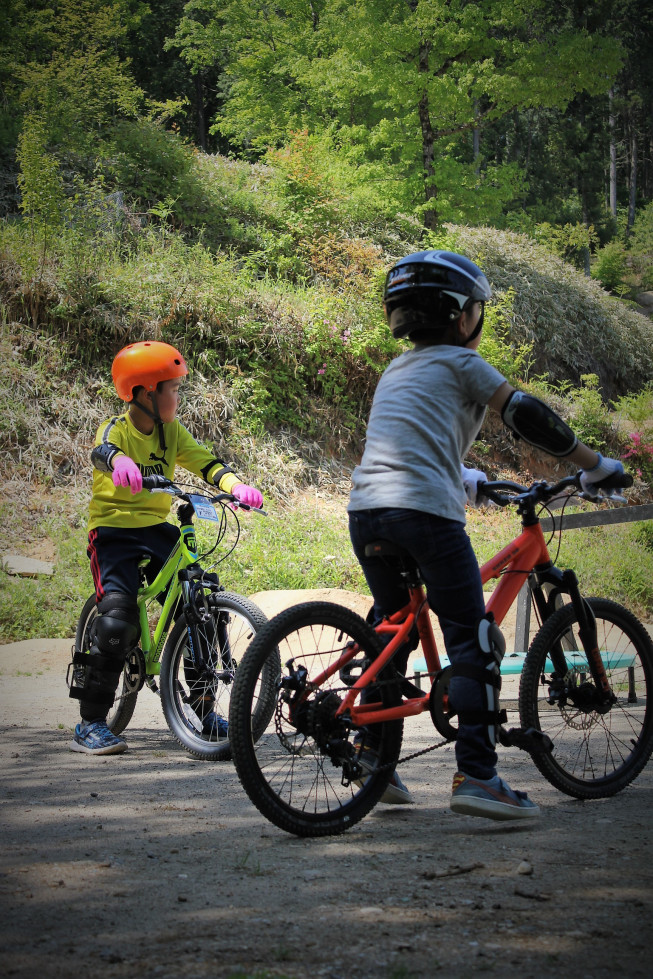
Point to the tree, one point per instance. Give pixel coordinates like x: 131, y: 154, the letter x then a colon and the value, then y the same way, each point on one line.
x: 401, y: 87
x: 76, y: 79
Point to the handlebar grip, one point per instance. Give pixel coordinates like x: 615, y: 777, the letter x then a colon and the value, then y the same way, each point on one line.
x: 156, y: 482
x: 615, y: 481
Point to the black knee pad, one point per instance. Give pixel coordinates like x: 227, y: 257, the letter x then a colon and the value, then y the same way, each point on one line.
x: 492, y: 645
x: 114, y: 633
x: 117, y: 625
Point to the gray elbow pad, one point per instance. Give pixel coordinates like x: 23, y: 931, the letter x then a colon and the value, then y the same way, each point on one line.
x: 102, y: 456
x: 530, y: 419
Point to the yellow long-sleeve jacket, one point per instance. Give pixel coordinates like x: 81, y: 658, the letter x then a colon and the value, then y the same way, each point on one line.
x: 113, y: 506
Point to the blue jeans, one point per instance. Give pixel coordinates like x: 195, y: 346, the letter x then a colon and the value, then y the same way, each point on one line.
x: 450, y: 570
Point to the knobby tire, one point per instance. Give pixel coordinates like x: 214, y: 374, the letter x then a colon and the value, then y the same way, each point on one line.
x: 595, y: 754
x: 186, y: 696
x: 294, y: 778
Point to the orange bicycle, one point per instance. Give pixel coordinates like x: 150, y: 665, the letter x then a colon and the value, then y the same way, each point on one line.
x: 583, y: 692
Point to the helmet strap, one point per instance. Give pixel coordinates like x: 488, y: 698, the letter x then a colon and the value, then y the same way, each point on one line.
x: 156, y: 418
x: 479, y: 326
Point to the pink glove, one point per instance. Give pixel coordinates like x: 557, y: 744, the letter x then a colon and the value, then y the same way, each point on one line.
x: 127, y: 473
x: 248, y: 494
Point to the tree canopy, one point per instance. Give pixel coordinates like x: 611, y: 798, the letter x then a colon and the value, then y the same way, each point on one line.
x: 506, y: 112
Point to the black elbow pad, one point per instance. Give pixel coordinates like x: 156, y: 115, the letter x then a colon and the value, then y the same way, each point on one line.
x: 102, y: 456
x: 530, y: 419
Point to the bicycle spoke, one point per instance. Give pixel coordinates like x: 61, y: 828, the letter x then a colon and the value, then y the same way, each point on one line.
x: 196, y: 691
x: 302, y: 771
x: 598, y: 748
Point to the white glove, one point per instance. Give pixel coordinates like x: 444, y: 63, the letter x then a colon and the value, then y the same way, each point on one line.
x: 603, y: 468
x: 471, y: 478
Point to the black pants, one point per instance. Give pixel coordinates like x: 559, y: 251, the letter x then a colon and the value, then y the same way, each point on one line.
x: 115, y: 554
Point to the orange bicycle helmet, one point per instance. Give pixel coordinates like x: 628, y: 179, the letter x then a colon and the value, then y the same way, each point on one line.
x: 145, y: 364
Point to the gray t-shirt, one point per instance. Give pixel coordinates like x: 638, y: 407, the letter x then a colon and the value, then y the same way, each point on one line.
x: 427, y: 410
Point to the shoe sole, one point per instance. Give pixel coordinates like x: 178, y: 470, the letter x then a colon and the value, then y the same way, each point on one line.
x: 112, y: 749
x: 469, y: 806
x: 392, y: 795
x: 396, y: 797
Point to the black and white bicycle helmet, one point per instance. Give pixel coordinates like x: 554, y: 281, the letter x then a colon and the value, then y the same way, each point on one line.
x: 429, y: 290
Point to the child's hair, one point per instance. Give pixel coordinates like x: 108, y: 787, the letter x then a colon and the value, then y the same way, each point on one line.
x: 139, y: 387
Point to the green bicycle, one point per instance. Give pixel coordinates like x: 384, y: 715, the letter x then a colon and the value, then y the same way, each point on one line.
x: 194, y: 649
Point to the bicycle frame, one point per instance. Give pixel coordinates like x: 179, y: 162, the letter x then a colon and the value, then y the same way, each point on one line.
x: 169, y: 580
x: 526, y: 554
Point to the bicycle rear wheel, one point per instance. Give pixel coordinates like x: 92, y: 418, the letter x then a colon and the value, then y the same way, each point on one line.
x: 196, y: 702
x: 597, y: 750
x: 124, y: 705
x: 301, y: 772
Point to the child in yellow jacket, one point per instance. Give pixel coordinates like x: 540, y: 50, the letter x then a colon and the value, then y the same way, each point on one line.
x: 127, y: 524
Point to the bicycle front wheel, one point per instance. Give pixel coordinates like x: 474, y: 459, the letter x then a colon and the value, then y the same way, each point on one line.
x: 597, y: 749
x: 195, y: 697
x: 124, y: 704
x: 301, y: 771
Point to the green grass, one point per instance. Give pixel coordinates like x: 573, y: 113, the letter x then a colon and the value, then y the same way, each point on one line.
x: 304, y: 543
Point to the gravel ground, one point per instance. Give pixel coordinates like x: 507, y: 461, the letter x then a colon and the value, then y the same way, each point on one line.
x: 153, y: 864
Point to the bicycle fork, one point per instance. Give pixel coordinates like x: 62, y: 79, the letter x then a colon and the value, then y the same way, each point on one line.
x: 587, y: 633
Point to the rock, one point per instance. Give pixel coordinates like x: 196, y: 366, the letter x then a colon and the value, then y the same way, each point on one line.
x: 25, y: 567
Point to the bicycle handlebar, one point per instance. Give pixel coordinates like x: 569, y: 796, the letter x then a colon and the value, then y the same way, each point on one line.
x: 161, y: 484
x: 505, y: 492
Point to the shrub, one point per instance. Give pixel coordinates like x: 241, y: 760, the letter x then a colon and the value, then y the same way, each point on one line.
x: 574, y: 327
x: 635, y: 413
x: 641, y: 246
x: 610, y: 266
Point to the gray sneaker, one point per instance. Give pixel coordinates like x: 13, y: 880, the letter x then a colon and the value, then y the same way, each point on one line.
x: 396, y: 793
x: 490, y: 797
x: 95, y: 738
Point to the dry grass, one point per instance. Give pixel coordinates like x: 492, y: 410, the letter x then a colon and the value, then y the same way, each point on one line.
x: 575, y: 327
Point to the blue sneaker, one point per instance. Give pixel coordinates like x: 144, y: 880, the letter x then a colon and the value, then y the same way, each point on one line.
x: 95, y: 738
x: 215, y: 726
x: 396, y: 793
x: 490, y: 797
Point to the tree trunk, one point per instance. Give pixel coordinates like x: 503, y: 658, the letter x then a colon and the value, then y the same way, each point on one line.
x: 476, y: 142
x: 428, y: 145
x: 632, y: 197
x: 201, y: 115
x: 613, y: 156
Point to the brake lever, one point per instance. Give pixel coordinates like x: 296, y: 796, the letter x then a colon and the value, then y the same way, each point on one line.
x: 598, y: 497
x: 237, y: 505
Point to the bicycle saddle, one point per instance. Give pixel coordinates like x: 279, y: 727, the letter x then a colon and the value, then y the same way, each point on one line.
x: 386, y: 548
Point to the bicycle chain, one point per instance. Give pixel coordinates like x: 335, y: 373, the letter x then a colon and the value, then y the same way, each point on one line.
x: 290, y: 748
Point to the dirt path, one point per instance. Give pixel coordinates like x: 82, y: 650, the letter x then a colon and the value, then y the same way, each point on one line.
x: 153, y: 864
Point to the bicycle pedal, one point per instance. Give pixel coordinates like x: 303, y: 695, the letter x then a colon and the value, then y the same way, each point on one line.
x: 531, y: 740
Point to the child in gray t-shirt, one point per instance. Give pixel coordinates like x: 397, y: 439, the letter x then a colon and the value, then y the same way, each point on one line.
x: 411, y: 488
